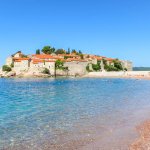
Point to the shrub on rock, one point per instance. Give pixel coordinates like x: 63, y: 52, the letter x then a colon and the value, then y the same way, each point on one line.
x: 46, y: 71
x: 6, y: 68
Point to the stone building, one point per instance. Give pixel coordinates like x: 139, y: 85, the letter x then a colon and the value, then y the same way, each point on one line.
x: 41, y: 61
x: 9, y: 61
x: 127, y: 64
x: 21, y: 64
x: 75, y: 64
x: 17, y: 55
x: 36, y: 65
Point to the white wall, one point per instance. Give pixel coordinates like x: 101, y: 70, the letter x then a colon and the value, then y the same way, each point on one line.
x: 21, y: 66
x: 48, y: 65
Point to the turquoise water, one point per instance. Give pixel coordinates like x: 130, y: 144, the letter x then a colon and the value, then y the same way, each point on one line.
x: 47, y: 112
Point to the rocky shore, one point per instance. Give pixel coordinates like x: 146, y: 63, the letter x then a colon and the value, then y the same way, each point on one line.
x: 38, y: 73
x: 4, y: 74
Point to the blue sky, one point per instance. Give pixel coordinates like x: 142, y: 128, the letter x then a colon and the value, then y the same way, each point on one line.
x: 113, y: 28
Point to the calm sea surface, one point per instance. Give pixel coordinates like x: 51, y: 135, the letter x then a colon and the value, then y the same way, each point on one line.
x: 64, y: 113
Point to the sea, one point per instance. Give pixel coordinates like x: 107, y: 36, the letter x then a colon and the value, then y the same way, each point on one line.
x: 72, y: 113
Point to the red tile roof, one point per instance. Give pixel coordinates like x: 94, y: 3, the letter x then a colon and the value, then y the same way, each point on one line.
x: 109, y: 59
x: 42, y: 56
x: 69, y: 55
x: 75, y: 59
x: 20, y: 58
x: 17, y: 60
x: 36, y: 61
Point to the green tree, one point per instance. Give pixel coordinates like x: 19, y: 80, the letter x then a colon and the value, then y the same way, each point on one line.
x: 110, y: 68
x: 6, y: 68
x: 74, y: 51
x: 104, y: 62
x: 96, y: 67
x: 53, y: 49
x: 59, y: 64
x: 80, y: 52
x: 88, y: 68
x: 125, y: 69
x: 88, y: 56
x: 66, y: 57
x: 24, y: 56
x: 12, y: 65
x: 118, y: 65
x: 38, y: 51
x: 68, y: 51
x: 81, y: 56
x: 60, y: 51
x: 48, y: 50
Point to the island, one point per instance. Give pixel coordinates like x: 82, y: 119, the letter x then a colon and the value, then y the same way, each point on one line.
x: 51, y: 62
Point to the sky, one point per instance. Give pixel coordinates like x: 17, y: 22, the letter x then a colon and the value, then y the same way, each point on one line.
x: 112, y: 28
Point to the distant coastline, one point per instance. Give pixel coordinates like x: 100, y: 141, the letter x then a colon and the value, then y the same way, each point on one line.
x: 141, y: 68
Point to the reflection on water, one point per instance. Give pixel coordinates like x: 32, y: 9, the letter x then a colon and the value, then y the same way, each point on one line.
x: 38, y: 113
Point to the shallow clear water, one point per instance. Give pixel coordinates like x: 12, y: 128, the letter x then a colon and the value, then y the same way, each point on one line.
x: 47, y: 112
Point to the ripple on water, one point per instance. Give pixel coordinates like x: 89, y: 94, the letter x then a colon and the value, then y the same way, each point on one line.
x: 37, y: 113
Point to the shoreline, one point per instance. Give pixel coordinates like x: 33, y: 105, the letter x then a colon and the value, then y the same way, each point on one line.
x: 119, y: 77
x: 76, y: 77
x: 80, y: 77
x: 124, y: 75
x: 143, y: 141
x: 140, y: 142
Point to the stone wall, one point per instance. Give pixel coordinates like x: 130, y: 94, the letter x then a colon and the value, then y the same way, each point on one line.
x: 74, y: 69
x: 51, y: 67
x: 21, y: 66
x: 61, y: 73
